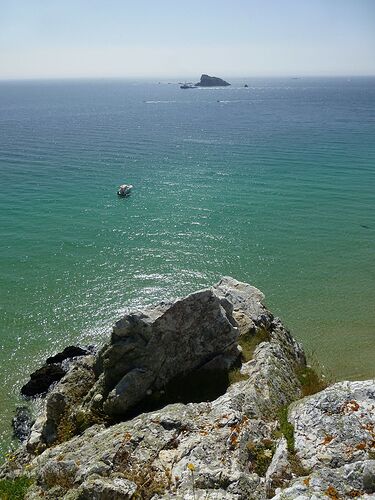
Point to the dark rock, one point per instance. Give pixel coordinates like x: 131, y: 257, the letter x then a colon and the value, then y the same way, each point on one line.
x: 211, y: 81
x: 42, y: 379
x: 22, y: 423
x: 68, y: 353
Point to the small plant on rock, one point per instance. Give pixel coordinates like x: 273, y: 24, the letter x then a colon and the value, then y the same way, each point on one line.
x: 287, y: 430
x: 260, y: 455
x: 14, y: 489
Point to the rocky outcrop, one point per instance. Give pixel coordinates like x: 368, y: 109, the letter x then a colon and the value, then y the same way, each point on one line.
x: 61, y: 403
x: 211, y: 81
x: 237, y: 445
x: 154, y: 348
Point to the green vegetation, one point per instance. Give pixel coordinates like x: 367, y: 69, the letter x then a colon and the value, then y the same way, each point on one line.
x: 260, y: 455
x: 14, y: 489
x: 314, y: 377
x: 235, y: 375
x: 311, y: 381
x: 250, y: 340
x: 287, y: 430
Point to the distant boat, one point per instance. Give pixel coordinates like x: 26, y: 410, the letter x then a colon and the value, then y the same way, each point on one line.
x: 187, y: 85
x: 124, y: 189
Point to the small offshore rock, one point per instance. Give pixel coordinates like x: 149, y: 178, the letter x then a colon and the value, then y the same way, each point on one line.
x: 22, y: 423
x: 68, y: 353
x: 41, y: 380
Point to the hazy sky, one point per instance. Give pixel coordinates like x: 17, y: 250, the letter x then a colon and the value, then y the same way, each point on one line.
x: 184, y: 38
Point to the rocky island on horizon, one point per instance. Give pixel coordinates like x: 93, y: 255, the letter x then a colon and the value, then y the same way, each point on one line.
x: 208, y: 397
x: 211, y: 81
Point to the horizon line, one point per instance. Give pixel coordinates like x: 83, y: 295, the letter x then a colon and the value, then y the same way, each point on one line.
x: 165, y: 78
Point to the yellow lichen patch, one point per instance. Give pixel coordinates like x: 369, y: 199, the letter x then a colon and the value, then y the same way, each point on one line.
x: 361, y: 446
x: 368, y: 427
x: 236, y: 430
x: 233, y: 438
x: 127, y: 437
x: 350, y: 406
x: 332, y: 493
x: 327, y: 439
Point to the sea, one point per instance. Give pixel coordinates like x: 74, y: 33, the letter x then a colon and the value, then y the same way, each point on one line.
x: 273, y: 184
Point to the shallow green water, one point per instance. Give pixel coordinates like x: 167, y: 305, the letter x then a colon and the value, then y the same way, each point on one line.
x: 273, y: 185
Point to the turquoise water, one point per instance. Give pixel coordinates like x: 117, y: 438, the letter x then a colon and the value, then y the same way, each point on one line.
x: 273, y: 185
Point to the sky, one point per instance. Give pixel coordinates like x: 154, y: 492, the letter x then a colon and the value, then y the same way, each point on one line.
x: 182, y: 39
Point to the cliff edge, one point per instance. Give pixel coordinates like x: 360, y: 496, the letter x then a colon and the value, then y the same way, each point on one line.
x: 206, y: 397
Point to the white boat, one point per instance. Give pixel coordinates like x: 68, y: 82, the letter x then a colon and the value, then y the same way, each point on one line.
x: 124, y: 189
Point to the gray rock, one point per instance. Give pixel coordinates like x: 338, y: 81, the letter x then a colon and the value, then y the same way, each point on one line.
x: 368, y: 477
x: 279, y: 472
x: 335, y: 426
x: 343, y: 482
x: 61, y: 402
x: 151, y: 348
x: 245, y: 299
x: 115, y: 487
x: 211, y: 437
